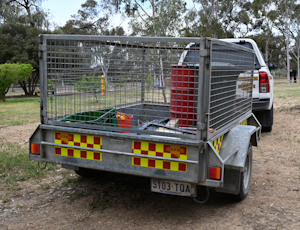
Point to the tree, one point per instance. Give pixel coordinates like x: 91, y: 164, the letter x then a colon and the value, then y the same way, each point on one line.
x: 203, y: 20
x: 150, y: 17
x: 90, y: 19
x: 22, y: 22
x: 157, y: 18
x: 12, y: 73
x: 35, y: 16
x: 295, y: 35
x: 283, y: 14
x: 219, y: 18
x: 19, y: 43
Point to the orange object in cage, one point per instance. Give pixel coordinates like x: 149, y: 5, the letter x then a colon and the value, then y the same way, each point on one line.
x: 124, y: 120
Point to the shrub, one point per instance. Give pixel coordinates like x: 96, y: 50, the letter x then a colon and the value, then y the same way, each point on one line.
x: 12, y: 73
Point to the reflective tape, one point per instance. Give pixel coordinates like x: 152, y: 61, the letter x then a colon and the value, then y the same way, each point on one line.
x: 245, y: 122
x: 80, y: 141
x: 159, y: 150
x: 218, y: 143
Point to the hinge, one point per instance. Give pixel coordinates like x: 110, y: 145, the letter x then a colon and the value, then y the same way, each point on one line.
x: 204, y: 53
x: 42, y: 48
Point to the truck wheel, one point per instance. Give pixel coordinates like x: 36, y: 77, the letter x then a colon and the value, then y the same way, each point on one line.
x: 269, y: 120
x: 245, y: 177
x: 265, y: 117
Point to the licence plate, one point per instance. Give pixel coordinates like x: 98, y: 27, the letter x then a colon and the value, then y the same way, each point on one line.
x: 173, y: 187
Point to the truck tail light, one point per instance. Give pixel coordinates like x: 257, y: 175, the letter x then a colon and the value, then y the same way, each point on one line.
x: 35, y: 149
x: 264, y: 85
x: 215, y: 173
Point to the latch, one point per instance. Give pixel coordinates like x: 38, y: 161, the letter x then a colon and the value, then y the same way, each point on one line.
x: 42, y: 48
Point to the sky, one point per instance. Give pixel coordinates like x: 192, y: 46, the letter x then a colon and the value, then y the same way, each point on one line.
x: 61, y: 10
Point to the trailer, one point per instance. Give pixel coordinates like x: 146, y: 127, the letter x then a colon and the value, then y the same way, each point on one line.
x: 174, y: 110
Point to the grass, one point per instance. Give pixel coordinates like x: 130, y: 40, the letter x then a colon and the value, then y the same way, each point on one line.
x: 15, y: 166
x: 19, y: 111
x: 286, y: 96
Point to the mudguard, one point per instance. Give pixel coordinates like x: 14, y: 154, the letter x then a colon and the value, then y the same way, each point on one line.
x: 234, y: 153
x: 235, y: 146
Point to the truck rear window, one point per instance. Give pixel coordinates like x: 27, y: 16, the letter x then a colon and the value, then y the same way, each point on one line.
x: 249, y: 45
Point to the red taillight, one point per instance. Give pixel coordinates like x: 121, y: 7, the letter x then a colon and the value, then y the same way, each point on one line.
x: 35, y: 149
x: 214, y: 173
x: 264, y: 86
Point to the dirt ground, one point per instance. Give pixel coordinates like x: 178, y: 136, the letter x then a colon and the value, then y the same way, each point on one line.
x: 63, y: 200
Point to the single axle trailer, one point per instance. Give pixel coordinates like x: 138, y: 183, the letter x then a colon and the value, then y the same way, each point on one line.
x: 175, y: 110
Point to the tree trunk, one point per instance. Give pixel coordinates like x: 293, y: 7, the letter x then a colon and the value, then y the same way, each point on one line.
x: 2, y: 97
x: 298, y: 59
x: 162, y: 75
x: 30, y: 84
x: 267, y: 51
x: 288, y: 56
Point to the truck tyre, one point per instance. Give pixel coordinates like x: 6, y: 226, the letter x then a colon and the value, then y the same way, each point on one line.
x: 245, y: 177
x: 269, y: 120
x: 265, y: 117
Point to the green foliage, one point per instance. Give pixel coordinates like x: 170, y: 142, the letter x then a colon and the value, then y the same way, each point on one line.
x: 12, y: 73
x: 149, y: 80
x: 51, y: 85
x: 20, y: 24
x: 90, y: 19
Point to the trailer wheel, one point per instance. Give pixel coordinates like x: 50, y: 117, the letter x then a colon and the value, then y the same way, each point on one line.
x: 84, y: 172
x: 245, y: 177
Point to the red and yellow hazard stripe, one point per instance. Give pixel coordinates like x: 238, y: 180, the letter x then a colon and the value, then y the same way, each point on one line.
x: 218, y: 143
x: 245, y: 122
x: 160, y: 150
x: 80, y: 141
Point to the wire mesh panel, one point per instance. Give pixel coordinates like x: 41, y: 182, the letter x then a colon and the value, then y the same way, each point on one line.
x: 231, y: 85
x: 115, y: 83
x: 144, y: 85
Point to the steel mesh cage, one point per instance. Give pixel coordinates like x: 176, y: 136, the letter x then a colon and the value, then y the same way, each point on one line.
x: 119, y: 84
x: 231, y: 81
x: 143, y: 85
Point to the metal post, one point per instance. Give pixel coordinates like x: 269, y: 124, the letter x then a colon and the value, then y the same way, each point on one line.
x: 202, y: 104
x: 143, y: 75
x: 43, y: 78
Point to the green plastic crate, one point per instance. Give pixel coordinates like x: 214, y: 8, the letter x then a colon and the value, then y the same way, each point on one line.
x: 106, y: 117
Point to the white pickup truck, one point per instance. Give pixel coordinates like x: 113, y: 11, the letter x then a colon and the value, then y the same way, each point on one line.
x: 263, y: 85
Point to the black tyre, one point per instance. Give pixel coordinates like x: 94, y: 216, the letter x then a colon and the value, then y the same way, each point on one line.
x: 245, y: 177
x: 269, y: 120
x: 84, y: 172
x: 266, y: 119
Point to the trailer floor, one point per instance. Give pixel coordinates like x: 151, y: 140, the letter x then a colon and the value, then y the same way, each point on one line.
x: 63, y: 200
